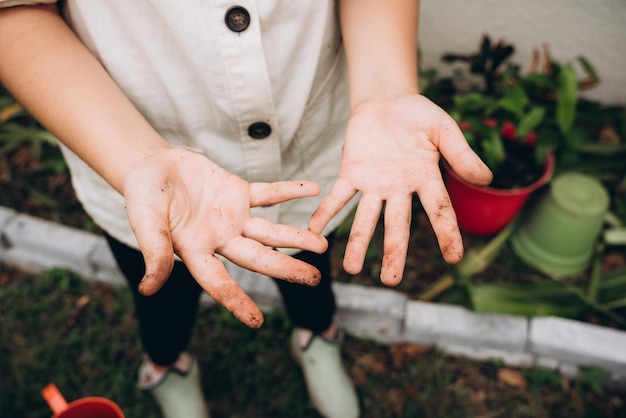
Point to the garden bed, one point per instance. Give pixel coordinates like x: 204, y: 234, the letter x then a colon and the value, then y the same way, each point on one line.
x: 36, y: 186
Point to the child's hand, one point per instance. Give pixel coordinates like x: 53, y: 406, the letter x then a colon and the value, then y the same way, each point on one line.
x: 392, y: 150
x: 179, y: 202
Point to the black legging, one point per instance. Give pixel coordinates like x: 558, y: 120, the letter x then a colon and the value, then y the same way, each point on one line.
x: 167, y: 318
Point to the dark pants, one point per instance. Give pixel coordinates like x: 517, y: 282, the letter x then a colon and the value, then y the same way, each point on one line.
x: 167, y: 318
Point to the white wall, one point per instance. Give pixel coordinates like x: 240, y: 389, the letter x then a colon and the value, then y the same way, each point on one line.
x: 595, y: 29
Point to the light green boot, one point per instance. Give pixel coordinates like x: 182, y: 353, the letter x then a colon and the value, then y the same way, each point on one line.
x: 179, y: 394
x: 330, y: 388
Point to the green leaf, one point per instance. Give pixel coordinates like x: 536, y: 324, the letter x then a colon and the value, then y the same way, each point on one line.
x: 576, y: 138
x: 548, y: 136
x: 469, y: 103
x: 602, y: 149
x: 15, y: 132
x: 613, y: 286
x: 595, y: 276
x: 541, y: 299
x: 6, y: 101
x: 477, y: 259
x: 42, y: 198
x: 514, y: 101
x: 566, y: 98
x: 593, y: 377
x: 531, y: 120
x: 541, y: 153
x: 493, y: 149
x: 615, y: 304
x: 589, y: 69
x: 537, y: 84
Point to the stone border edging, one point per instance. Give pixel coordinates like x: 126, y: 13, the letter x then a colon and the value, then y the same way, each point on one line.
x: 383, y: 315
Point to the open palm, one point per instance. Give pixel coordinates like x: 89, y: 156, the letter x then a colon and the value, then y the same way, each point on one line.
x: 179, y: 202
x: 392, y: 150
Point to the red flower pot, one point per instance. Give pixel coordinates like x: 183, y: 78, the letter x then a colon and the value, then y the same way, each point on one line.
x: 486, y: 210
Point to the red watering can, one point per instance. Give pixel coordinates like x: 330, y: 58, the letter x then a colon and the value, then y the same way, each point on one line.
x: 88, y: 407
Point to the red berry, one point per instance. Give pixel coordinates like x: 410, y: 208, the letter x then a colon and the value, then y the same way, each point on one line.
x: 530, y: 139
x: 490, y: 122
x: 465, y: 126
x: 508, y: 130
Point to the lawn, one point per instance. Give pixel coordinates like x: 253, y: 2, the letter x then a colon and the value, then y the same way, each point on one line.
x: 57, y: 328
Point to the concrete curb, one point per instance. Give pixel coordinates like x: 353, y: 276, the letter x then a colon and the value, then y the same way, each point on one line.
x: 383, y: 315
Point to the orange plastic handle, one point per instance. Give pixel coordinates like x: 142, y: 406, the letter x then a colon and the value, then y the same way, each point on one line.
x: 54, y: 398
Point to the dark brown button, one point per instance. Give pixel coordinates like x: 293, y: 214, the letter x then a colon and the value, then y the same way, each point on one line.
x: 237, y: 19
x: 259, y: 130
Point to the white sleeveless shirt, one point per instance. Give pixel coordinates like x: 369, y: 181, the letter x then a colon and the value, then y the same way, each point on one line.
x: 258, y: 86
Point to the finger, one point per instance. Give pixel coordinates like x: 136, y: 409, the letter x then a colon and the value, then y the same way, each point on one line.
x: 283, y: 236
x: 263, y: 194
x: 457, y: 152
x: 213, y: 277
x: 437, y: 205
x: 363, y: 227
x: 396, y: 241
x: 155, y: 242
x: 337, y: 197
x: 253, y: 256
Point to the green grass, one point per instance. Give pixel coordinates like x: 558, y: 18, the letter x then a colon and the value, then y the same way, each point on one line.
x: 56, y: 328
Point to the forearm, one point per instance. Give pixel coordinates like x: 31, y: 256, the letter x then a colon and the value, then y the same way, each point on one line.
x: 380, y: 38
x: 46, y: 67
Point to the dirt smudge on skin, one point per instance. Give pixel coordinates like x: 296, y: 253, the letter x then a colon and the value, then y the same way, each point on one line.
x: 443, y: 208
x: 231, y: 296
x: 308, y: 276
x: 355, y: 236
x: 450, y: 253
x: 390, y: 264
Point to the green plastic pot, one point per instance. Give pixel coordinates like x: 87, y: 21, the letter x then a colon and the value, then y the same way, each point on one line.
x: 559, y: 235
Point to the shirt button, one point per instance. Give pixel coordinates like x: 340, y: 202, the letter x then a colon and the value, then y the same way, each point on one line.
x: 237, y: 19
x: 259, y: 130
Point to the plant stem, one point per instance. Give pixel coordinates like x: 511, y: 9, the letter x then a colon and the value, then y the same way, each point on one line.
x: 475, y: 261
x: 443, y: 283
x: 595, y: 277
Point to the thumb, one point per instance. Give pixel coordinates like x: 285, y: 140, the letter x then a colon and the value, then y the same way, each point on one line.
x: 155, y: 242
x: 457, y: 152
x: 159, y: 261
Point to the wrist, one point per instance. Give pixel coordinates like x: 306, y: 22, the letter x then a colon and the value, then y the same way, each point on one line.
x: 380, y: 95
x: 382, y: 100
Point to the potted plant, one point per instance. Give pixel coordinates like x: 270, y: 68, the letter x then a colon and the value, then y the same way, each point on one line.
x: 500, y: 110
x: 514, y: 122
x: 502, y: 131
